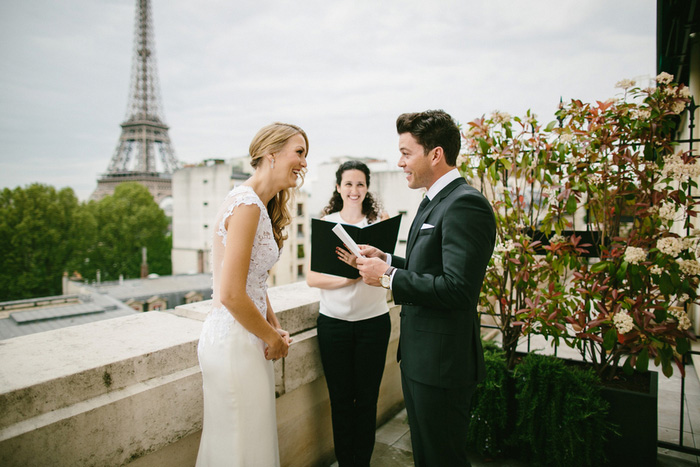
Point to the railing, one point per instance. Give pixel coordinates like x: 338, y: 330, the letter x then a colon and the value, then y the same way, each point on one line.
x: 690, y: 141
x: 129, y: 389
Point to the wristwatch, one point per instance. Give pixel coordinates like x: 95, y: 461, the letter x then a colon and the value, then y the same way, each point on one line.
x: 385, y: 280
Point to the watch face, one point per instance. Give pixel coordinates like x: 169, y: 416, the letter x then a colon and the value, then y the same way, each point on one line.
x: 385, y: 281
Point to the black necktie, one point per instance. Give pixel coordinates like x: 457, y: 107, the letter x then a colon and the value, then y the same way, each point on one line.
x: 423, y: 204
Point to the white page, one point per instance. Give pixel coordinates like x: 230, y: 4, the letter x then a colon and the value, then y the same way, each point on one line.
x: 347, y: 239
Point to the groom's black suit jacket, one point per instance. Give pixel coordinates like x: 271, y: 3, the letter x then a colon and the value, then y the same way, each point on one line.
x: 438, y: 283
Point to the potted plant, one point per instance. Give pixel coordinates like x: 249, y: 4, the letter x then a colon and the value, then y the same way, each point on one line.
x: 595, y: 218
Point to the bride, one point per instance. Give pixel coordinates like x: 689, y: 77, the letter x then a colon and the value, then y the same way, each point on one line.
x: 241, y: 336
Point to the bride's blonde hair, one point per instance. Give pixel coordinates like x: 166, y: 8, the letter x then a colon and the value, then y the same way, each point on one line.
x: 268, y: 140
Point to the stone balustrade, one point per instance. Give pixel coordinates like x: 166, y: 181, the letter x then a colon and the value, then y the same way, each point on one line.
x: 128, y: 390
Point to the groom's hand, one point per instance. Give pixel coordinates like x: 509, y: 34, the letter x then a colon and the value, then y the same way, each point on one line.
x: 372, y: 252
x: 371, y: 269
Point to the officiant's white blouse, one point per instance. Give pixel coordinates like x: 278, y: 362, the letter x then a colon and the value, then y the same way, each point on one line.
x: 357, y: 301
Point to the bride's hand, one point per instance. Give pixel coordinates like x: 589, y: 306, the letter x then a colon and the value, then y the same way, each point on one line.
x: 285, y: 335
x: 276, y: 349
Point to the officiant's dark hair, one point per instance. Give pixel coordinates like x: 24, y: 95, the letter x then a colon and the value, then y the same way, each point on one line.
x: 431, y: 129
x: 370, y: 206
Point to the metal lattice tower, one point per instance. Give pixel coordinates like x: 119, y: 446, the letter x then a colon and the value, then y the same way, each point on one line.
x: 144, y: 134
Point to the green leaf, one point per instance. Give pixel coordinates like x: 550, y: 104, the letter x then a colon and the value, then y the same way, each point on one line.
x: 610, y: 339
x: 492, y: 171
x: 550, y: 125
x: 667, y: 368
x: 627, y: 367
x: 666, y: 285
x: 643, y: 360
x: 571, y: 205
x: 597, y: 267
x: 484, y: 146
x: 659, y: 315
x: 682, y: 345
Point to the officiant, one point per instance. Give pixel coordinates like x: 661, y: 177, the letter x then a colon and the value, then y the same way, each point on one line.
x: 353, y: 326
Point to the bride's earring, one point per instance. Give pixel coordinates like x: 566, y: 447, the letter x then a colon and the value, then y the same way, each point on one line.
x: 272, y: 163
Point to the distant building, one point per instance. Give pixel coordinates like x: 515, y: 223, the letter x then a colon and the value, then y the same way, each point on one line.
x: 387, y: 182
x: 198, y: 191
x: 155, y: 293
x: 22, y: 317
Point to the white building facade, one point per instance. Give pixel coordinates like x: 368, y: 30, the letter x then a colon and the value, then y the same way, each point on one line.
x: 198, y: 191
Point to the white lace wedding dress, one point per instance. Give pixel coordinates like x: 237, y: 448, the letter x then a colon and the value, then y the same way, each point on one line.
x: 240, y: 425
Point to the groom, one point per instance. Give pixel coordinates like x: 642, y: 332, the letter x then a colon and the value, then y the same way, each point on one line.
x: 449, y: 246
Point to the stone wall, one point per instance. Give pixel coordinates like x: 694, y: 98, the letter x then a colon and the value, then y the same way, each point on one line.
x: 128, y: 390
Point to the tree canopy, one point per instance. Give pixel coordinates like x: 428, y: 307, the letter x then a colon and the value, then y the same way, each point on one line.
x: 44, y: 233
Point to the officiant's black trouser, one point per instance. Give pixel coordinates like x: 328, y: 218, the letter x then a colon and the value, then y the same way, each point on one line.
x: 353, y: 354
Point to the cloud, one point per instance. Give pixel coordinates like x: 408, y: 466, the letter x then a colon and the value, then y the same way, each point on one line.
x: 342, y: 70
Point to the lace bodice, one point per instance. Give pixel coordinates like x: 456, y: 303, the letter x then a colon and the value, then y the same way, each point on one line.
x: 263, y: 256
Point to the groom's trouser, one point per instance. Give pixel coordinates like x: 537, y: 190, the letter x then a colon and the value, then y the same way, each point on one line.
x: 438, y: 418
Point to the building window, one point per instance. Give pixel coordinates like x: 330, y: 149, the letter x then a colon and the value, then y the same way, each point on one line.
x: 300, y: 209
x: 300, y: 230
x: 300, y: 270
x: 206, y: 226
x: 206, y: 204
x: 300, y: 251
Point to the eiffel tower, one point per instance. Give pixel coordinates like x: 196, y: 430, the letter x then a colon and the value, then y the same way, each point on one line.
x: 144, y: 133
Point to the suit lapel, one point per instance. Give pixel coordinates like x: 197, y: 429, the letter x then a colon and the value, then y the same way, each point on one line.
x: 419, y: 220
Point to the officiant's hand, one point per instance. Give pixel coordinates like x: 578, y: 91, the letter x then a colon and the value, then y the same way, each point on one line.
x: 371, y: 269
x: 346, y: 257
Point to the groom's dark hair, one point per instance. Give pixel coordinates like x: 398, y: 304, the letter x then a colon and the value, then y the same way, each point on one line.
x: 431, y: 129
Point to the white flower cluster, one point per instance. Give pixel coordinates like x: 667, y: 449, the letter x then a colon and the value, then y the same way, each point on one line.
x: 505, y: 247
x: 498, y: 264
x: 566, y: 138
x: 678, y: 106
x: 641, y: 113
x: 664, y: 78
x: 596, y: 178
x: 500, y: 117
x: 556, y: 238
x: 656, y: 270
x: 635, y: 255
x: 684, y: 92
x: 531, y: 119
x: 681, y: 316
x: 690, y: 244
x: 625, y: 84
x: 671, y: 246
x: 461, y: 159
x: 667, y: 211
x: 623, y: 322
x: 689, y: 267
x: 677, y: 169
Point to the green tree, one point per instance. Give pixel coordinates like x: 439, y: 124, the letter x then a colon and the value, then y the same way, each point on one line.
x: 40, y: 230
x: 125, y: 222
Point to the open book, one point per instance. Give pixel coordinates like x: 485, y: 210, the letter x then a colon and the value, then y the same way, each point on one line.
x: 382, y: 235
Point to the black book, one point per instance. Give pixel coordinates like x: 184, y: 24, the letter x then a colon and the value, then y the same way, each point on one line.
x: 324, y: 241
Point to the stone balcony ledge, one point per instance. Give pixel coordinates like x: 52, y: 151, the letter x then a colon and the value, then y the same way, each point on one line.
x: 128, y: 389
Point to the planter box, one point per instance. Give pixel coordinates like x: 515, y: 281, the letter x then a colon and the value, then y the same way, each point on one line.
x: 635, y: 414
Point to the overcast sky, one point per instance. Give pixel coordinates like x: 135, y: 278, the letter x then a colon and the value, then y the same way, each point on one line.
x: 342, y: 70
